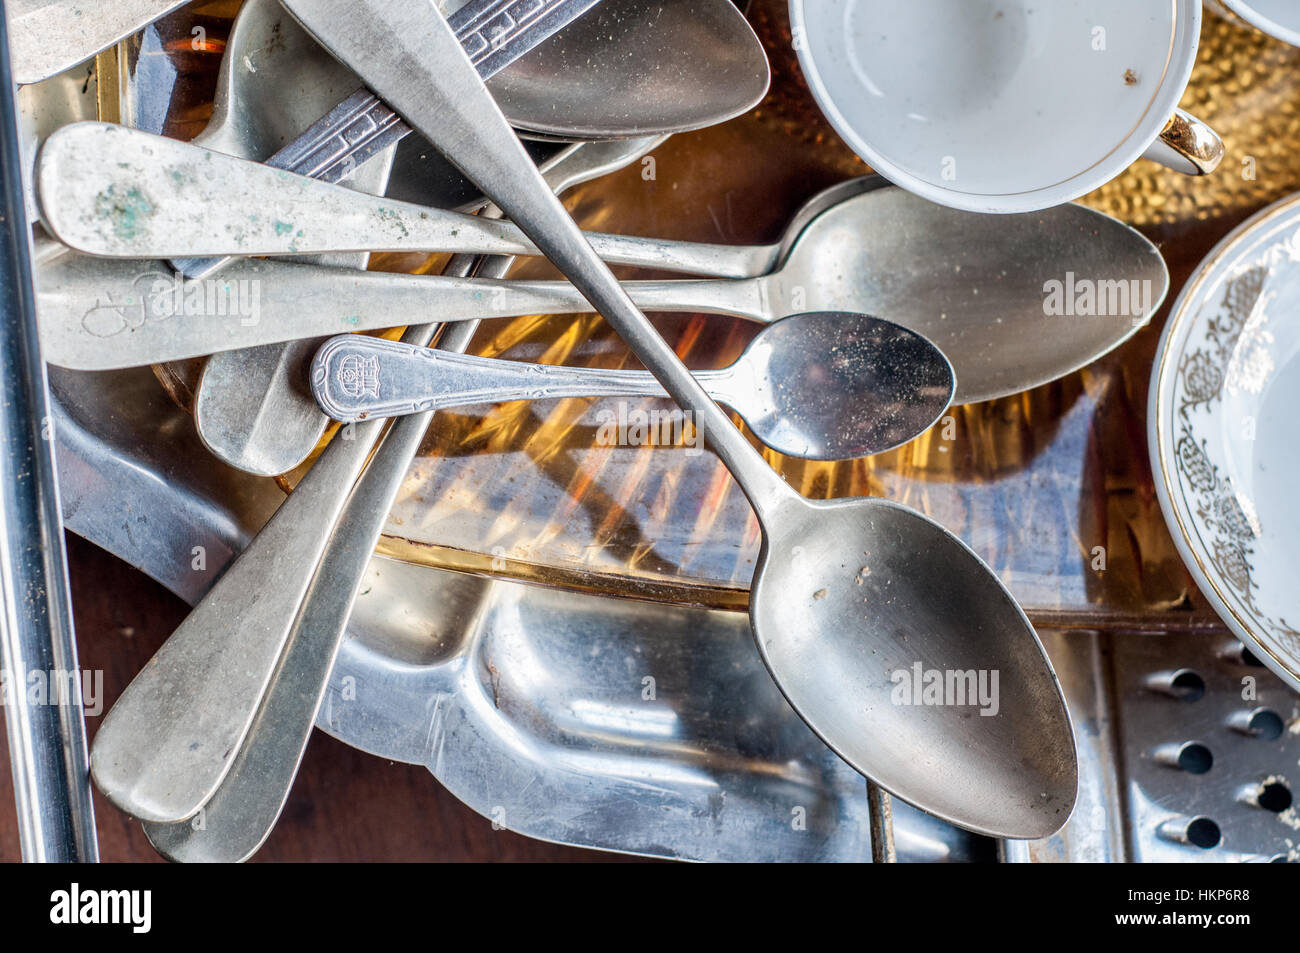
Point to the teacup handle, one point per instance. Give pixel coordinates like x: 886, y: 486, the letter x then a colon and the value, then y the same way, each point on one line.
x: 1187, y: 145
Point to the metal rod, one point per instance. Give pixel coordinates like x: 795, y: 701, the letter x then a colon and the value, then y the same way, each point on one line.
x: 880, y: 809
x: 42, y: 696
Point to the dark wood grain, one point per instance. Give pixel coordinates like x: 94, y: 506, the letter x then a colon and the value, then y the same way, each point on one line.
x: 345, y: 806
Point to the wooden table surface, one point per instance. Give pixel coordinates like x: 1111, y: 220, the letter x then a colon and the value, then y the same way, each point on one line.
x: 346, y: 805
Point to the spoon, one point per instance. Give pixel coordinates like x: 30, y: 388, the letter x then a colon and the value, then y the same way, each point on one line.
x: 846, y: 592
x: 47, y: 37
x: 975, y: 285
x: 123, y: 193
x: 656, y: 65
x: 826, y: 386
x: 170, y: 738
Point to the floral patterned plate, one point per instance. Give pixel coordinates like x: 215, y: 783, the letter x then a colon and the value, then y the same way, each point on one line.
x: 1224, y: 432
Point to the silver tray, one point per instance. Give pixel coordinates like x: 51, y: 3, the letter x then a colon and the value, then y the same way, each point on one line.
x: 585, y: 720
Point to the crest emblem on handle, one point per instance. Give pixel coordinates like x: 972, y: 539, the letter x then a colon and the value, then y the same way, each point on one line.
x: 358, y: 376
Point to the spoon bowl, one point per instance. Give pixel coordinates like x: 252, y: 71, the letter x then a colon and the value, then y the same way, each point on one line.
x: 978, y: 285
x: 822, y: 386
x: 657, y: 66
x: 833, y: 385
x: 853, y: 609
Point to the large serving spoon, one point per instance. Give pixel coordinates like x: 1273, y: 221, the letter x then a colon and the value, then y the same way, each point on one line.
x: 172, y: 735
x: 253, y: 209
x: 978, y: 286
x: 827, y: 386
x: 847, y: 593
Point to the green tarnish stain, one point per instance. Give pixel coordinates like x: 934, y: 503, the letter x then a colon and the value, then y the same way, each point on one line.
x: 389, y: 217
x: 283, y: 228
x: 354, y: 320
x: 126, y: 212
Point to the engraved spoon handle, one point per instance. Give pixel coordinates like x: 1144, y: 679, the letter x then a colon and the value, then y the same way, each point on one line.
x: 356, y: 378
x: 100, y: 314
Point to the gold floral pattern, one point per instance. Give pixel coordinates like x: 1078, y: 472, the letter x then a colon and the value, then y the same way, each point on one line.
x: 1223, y: 514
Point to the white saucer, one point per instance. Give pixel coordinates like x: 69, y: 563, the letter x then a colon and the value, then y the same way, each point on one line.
x: 1225, y: 436
x: 1279, y: 18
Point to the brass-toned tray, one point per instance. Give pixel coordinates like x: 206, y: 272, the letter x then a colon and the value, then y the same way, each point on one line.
x: 1052, y: 487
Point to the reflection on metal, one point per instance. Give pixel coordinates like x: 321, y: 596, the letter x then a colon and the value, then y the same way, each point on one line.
x: 516, y: 697
x: 47, y: 732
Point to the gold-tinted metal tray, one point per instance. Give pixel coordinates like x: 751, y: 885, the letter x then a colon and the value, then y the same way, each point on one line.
x: 1052, y: 487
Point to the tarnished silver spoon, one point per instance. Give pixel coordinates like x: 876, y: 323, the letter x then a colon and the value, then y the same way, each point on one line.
x: 115, y: 192
x: 848, y: 594
x: 978, y: 286
x: 823, y: 386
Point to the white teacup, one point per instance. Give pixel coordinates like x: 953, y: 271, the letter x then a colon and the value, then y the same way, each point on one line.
x: 1277, y: 18
x: 1006, y: 105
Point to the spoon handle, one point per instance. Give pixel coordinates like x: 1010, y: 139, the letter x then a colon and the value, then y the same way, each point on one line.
x: 410, y: 57
x: 47, y: 37
x: 167, y: 741
x: 171, y: 737
x: 242, y: 811
x: 99, y: 314
x: 356, y: 378
x: 124, y: 193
